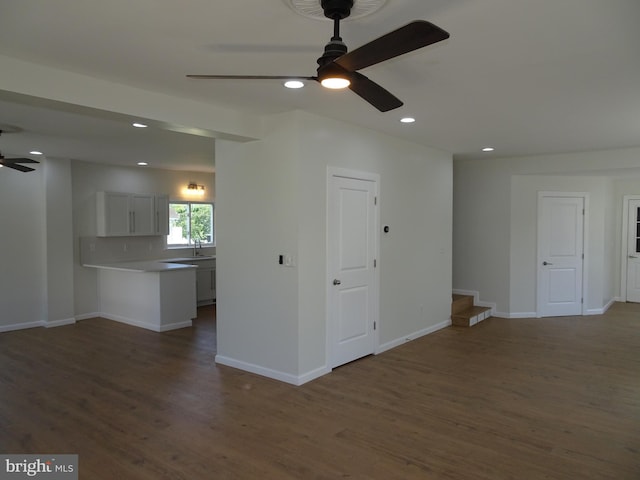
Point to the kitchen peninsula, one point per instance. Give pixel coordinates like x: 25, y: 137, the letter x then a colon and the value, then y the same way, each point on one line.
x: 157, y: 295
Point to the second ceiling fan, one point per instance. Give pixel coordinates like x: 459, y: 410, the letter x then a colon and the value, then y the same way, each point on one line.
x: 338, y: 68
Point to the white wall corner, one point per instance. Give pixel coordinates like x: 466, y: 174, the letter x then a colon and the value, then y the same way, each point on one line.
x: 258, y: 370
x: 313, y: 374
x: 87, y: 316
x: 600, y: 311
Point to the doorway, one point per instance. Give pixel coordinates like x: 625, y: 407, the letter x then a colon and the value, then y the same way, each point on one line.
x: 353, y: 295
x: 560, y: 256
x: 630, y: 268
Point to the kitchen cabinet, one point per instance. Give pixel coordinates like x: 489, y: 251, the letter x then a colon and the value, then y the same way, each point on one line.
x: 206, y: 282
x: 131, y: 214
x: 205, y: 278
x: 149, y: 294
x: 162, y: 214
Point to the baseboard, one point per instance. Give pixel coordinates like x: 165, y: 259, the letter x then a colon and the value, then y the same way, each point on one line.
x: 21, y: 326
x: 600, y: 311
x: 313, y: 374
x: 515, y: 315
x: 146, y: 326
x: 59, y: 323
x: 87, y: 316
x: 407, y: 338
x: 38, y: 324
x: 175, y: 326
x: 258, y: 370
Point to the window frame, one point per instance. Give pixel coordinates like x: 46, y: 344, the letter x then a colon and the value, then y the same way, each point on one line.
x: 190, y: 242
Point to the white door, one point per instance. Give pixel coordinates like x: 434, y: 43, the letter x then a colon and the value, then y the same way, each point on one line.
x: 560, y: 255
x: 353, y: 296
x: 633, y: 252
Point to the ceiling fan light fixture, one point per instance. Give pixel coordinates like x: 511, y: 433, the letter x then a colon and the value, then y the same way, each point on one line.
x: 335, y: 83
x: 35, y: 152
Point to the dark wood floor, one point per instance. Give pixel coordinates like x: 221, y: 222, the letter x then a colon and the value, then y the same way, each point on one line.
x: 555, y: 398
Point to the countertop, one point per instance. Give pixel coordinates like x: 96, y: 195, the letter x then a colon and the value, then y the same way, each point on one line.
x: 148, y: 266
x: 197, y: 258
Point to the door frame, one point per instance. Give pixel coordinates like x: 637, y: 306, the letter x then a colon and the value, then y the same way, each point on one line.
x: 369, y: 177
x: 585, y: 247
x: 626, y: 200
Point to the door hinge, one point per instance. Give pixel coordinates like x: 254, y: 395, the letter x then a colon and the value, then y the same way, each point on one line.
x: 375, y: 263
x: 374, y: 325
x: 375, y: 200
x: 582, y: 300
x: 583, y: 211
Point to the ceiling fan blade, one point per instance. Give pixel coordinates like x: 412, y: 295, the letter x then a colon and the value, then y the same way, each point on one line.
x: 16, y: 166
x: 18, y: 160
x: 251, y: 77
x: 373, y: 93
x: 412, y: 36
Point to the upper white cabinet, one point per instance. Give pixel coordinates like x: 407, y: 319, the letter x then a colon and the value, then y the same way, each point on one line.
x: 126, y: 214
x: 162, y: 214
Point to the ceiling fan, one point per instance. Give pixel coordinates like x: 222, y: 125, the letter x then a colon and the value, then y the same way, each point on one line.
x: 339, y: 69
x: 15, y: 162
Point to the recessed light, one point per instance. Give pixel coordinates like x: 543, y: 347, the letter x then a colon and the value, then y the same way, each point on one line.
x: 143, y: 164
x: 294, y: 84
x: 407, y: 120
x: 139, y: 125
x: 488, y: 149
x: 35, y: 152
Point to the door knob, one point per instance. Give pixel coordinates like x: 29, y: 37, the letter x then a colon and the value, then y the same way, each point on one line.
x: 337, y: 282
x: 632, y: 256
x: 547, y: 263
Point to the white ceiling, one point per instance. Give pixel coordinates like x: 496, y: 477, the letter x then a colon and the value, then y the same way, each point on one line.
x: 524, y: 76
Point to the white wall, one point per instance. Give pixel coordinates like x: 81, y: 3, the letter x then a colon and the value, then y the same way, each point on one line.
x: 493, y: 253
x: 523, y: 248
x: 257, y: 299
x: 59, y: 242
x: 272, y: 197
x: 23, y: 239
x: 415, y: 201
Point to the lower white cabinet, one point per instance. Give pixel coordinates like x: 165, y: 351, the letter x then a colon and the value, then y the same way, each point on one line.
x: 205, y: 284
x: 205, y: 279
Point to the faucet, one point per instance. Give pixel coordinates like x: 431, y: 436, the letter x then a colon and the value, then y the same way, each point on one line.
x: 197, y: 244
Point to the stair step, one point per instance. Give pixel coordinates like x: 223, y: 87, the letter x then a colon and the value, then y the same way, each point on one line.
x: 470, y: 316
x: 460, y: 303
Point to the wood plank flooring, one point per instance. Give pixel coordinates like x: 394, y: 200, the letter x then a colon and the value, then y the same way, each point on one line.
x: 554, y: 398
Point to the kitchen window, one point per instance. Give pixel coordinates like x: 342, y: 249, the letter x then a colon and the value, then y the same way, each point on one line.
x: 190, y: 223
